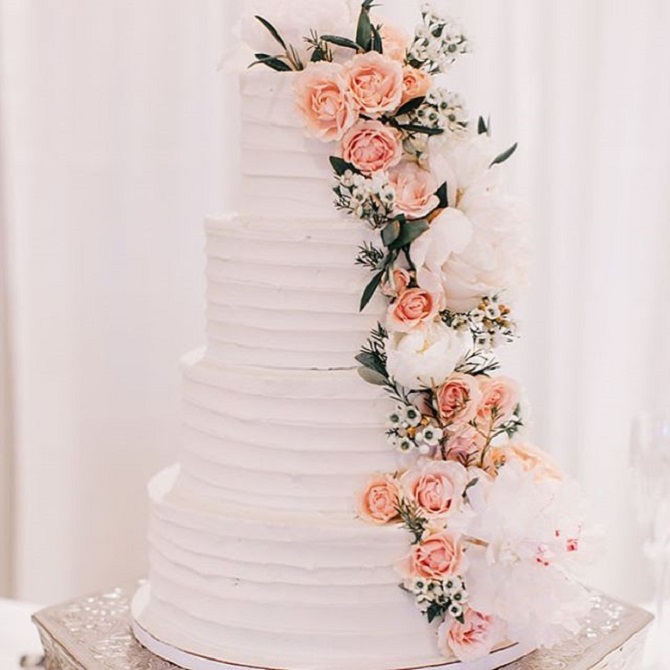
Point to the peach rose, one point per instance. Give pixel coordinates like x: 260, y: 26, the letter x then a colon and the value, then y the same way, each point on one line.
x: 411, y: 309
x: 472, y: 640
x: 436, y: 487
x: 379, y: 501
x: 415, y: 84
x: 415, y: 190
x: 465, y: 445
x: 371, y: 147
x: 457, y: 400
x: 435, y: 557
x: 500, y: 396
x: 534, y: 459
x: 400, y: 280
x: 375, y: 83
x: 395, y: 42
x: 322, y: 95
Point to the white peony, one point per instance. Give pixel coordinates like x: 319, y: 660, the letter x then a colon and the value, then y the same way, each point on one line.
x: 479, y: 245
x: 426, y: 356
x: 295, y: 20
x: 533, y: 532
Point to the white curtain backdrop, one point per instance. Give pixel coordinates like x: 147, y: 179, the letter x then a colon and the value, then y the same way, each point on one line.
x: 119, y: 133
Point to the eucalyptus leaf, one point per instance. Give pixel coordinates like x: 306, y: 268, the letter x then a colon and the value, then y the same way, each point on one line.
x: 340, y: 166
x: 273, y: 31
x: 371, y: 289
x: 443, y: 195
x: 505, y: 155
x: 410, y: 232
x: 372, y: 377
x: 410, y: 106
x: 364, y: 29
x: 372, y: 362
x: 377, y: 43
x: 273, y: 62
x: 391, y: 233
x: 341, y: 42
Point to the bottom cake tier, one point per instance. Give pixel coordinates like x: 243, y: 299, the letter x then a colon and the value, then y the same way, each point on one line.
x: 280, y: 592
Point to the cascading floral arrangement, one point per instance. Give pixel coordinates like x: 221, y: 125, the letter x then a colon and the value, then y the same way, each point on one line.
x: 495, y: 529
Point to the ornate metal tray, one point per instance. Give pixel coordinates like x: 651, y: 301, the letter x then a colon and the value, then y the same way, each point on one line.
x: 94, y: 633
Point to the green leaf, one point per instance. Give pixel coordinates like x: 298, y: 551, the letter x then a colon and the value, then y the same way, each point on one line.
x: 364, y: 29
x: 483, y: 127
x: 273, y: 31
x: 273, y: 62
x: 505, y: 155
x: 377, y: 44
x: 413, y: 128
x: 371, y: 289
x: 340, y: 166
x: 443, y: 195
x: 391, y: 233
x: 410, y: 232
x: 371, y: 362
x: 410, y: 106
x: 340, y: 42
x: 372, y: 377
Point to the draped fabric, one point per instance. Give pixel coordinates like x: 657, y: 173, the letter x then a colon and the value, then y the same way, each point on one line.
x: 118, y: 130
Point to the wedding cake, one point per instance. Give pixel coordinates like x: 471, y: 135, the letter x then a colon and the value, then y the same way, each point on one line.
x: 355, y: 490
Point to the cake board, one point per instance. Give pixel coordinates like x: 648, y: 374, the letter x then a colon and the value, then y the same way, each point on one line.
x: 96, y: 633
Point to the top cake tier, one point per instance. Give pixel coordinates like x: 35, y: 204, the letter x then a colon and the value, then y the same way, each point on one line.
x: 285, y: 174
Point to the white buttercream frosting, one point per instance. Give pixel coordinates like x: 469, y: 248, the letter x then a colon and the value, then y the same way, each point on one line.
x: 279, y: 591
x: 285, y: 174
x: 286, y: 294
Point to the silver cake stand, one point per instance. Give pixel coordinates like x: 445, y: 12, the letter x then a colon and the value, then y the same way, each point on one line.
x: 95, y: 633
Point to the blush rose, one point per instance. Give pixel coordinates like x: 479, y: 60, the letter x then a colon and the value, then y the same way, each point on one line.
x: 465, y: 445
x: 376, y: 84
x: 437, y: 487
x: 400, y: 280
x: 471, y: 640
x: 415, y: 190
x: 458, y: 399
x: 435, y: 557
x: 415, y: 84
x: 379, y: 501
x: 371, y: 147
x: 323, y: 99
x: 500, y: 396
x: 413, y: 307
x: 395, y: 41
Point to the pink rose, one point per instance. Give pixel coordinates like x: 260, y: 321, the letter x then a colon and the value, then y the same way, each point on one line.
x: 533, y: 460
x: 436, y: 487
x: 379, y: 501
x: 465, y: 445
x: 415, y: 84
x: 411, y: 309
x: 400, y: 280
x: 371, y: 147
x: 322, y: 96
x: 500, y: 396
x: 457, y: 400
x: 472, y: 640
x: 375, y: 83
x: 395, y: 41
x: 437, y: 556
x: 415, y: 190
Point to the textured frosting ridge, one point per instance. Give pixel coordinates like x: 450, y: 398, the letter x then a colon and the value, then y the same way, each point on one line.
x: 284, y: 173
x: 285, y: 294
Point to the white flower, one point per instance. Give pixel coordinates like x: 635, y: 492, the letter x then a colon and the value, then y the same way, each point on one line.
x: 295, y: 20
x: 430, y: 436
x: 405, y: 444
x: 527, y: 526
x: 478, y: 246
x: 426, y: 356
x: 412, y: 416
